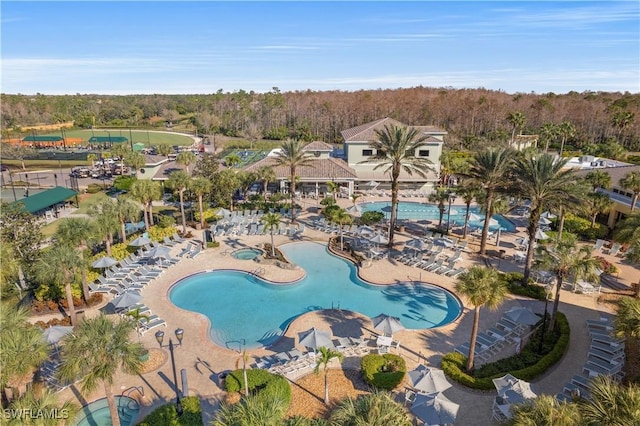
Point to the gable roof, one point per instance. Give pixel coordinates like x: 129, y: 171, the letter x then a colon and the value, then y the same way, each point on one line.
x: 319, y: 169
x: 318, y: 146
x: 46, y: 199
x: 367, y: 131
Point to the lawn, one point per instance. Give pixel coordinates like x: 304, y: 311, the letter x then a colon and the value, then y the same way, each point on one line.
x: 85, y: 201
x: 138, y: 136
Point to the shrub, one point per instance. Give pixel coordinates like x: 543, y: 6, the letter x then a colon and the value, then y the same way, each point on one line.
x: 94, y: 188
x: 121, y: 250
x: 260, y: 382
x: 123, y: 183
x: 606, y: 266
x: 158, y: 233
x: 166, y: 414
x: 208, y: 214
x: 166, y: 221
x: 526, y: 365
x: 369, y: 218
x: 582, y: 227
x: 383, y: 371
x: 213, y: 244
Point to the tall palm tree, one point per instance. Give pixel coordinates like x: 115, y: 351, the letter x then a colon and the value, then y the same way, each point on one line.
x: 542, y: 180
x: 440, y: 198
x: 631, y: 181
x: 468, y: 194
x: 341, y: 217
x: 333, y: 187
x: 611, y: 403
x: 545, y: 410
x: 565, y: 259
x: 146, y: 192
x: 105, y: 221
x: 323, y: 358
x: 395, y: 149
x: 244, y: 357
x: 628, y: 318
x: 622, y: 119
x: 598, y: 179
x: 292, y: 155
x: 77, y: 232
x: 628, y: 231
x: 60, y: 265
x: 95, y: 351
x: 482, y: 287
x: 45, y: 402
x: 186, y: 158
x: 200, y: 186
x: 375, y: 409
x: 548, y: 132
x: 265, y: 174
x: 517, y: 120
x: 179, y: 182
x: 232, y: 160
x: 125, y: 211
x: 490, y: 172
x: 164, y: 150
x: 596, y: 203
x: 271, y: 221
x: 135, y: 160
x: 566, y: 130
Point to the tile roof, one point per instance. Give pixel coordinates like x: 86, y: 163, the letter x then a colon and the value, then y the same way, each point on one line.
x: 320, y: 169
x: 367, y: 131
x: 318, y: 146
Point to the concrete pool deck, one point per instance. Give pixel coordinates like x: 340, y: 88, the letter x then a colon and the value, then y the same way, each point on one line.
x: 203, y: 359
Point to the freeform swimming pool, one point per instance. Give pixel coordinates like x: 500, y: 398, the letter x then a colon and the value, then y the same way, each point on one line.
x: 97, y: 412
x: 417, y: 211
x: 244, y: 308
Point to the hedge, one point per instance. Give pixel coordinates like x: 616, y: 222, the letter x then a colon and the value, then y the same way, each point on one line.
x: 383, y: 371
x: 259, y: 380
x: 454, y: 363
x: 166, y: 414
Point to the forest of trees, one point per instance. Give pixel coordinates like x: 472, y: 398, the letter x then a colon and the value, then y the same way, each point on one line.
x: 471, y: 116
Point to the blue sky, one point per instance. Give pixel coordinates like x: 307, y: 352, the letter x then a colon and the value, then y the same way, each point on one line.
x: 201, y: 47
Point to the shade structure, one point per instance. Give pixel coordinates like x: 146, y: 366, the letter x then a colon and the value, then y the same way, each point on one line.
x: 474, y: 217
x: 314, y: 339
x: 548, y: 215
x: 126, y: 299
x: 522, y: 316
x: 492, y: 222
x: 540, y: 235
x: 372, y: 184
x: 428, y: 380
x: 54, y: 334
x: 544, y: 221
x: 522, y: 241
x: 434, y: 409
x: 513, y: 390
x: 452, y: 211
x: 160, y: 252
x: 379, y: 239
x: 416, y: 244
x: 387, y: 324
x: 223, y: 212
x: 104, y: 262
x: 140, y: 242
x: 355, y: 209
x: 365, y: 230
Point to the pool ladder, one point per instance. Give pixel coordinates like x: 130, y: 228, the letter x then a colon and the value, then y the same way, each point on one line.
x: 336, y: 306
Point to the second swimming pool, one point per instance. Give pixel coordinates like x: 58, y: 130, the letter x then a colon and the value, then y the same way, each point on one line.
x: 244, y: 308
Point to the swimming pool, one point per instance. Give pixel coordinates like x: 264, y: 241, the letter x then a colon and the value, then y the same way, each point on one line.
x: 244, y: 308
x: 417, y: 211
x: 97, y: 413
x: 246, y: 253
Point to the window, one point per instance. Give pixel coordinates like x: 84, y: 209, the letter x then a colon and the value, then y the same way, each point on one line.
x: 367, y: 152
x: 423, y: 153
x: 410, y: 153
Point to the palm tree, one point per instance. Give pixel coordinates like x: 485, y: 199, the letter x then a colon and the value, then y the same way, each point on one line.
x: 96, y: 350
x: 305, y: 421
x: 598, y: 179
x: 622, y: 119
x: 125, y: 211
x: 232, y: 160
x: 146, y: 192
x: 341, y: 217
x: 265, y: 174
x: 628, y: 231
x: 22, y: 348
x: 542, y: 180
x: 517, y: 120
x: 611, y: 403
x: 164, y: 150
x: 440, y: 197
x: 333, y: 187
x: 631, y: 181
x: 566, y: 130
x: 323, y: 358
x: 548, y: 132
x: 596, y: 203
x: 45, y: 402
x: 489, y: 172
x: 78, y: 232
x: 395, y: 149
x: 186, y: 158
x: 566, y: 259
x: 60, y: 265
x: 355, y: 197
x: 482, y: 287
x: 105, y: 221
x: 200, y: 186
x: 577, y: 194
x: 135, y: 160
x: 244, y: 358
x: 628, y: 318
x: 545, y: 410
x: 253, y: 410
x: 468, y: 194
x: 375, y: 409
x: 293, y: 155
x: 271, y: 221
x: 179, y: 181
x: 138, y: 317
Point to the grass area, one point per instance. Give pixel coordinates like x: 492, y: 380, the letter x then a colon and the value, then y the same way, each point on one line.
x: 85, y: 200
x: 137, y: 136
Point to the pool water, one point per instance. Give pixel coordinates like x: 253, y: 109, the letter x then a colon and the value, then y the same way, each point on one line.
x: 244, y: 308
x: 97, y: 413
x: 418, y: 211
x: 246, y: 254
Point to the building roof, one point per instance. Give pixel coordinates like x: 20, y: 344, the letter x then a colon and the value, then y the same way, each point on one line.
x: 367, y: 131
x: 318, y: 146
x: 46, y: 199
x: 616, y: 173
x: 318, y: 169
x: 154, y: 160
x: 37, y: 138
x: 166, y: 169
x: 108, y: 139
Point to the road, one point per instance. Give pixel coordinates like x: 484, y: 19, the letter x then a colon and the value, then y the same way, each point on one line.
x: 51, y: 177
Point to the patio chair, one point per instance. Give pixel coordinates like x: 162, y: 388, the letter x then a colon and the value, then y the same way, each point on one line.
x: 178, y: 238
x: 186, y: 250
x: 156, y: 322
x: 615, y: 249
x: 599, y: 244
x: 197, y: 249
x: 169, y: 242
x: 94, y: 288
x: 456, y: 272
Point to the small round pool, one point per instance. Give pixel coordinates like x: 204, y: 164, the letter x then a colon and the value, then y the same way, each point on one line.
x: 97, y: 413
x: 246, y: 253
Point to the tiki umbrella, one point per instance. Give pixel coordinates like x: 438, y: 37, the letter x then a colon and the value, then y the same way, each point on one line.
x: 435, y: 409
x: 387, y: 324
x: 314, y: 339
x: 140, y: 242
x: 428, y: 380
x: 54, y: 334
x: 104, y: 262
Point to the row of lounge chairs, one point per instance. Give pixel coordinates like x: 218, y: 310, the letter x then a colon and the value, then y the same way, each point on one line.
x: 613, y: 249
x: 146, y: 323
x: 49, y: 372
x: 605, y: 357
x: 429, y: 262
x: 191, y: 250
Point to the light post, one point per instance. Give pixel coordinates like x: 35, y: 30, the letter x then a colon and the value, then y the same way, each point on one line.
x: 179, y: 335
x: 544, y: 321
x: 452, y: 198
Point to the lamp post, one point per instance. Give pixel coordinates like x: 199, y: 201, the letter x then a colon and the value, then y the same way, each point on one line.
x: 179, y: 335
x: 452, y: 198
x: 544, y: 321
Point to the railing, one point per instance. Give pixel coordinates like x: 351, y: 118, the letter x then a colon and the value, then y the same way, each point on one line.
x: 258, y: 272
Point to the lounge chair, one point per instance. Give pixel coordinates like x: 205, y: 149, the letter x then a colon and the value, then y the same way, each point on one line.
x: 168, y: 242
x: 178, y: 238
x: 151, y: 324
x: 196, y: 251
x: 615, y: 248
x: 94, y: 288
x: 456, y: 272
x: 186, y: 250
x: 599, y: 244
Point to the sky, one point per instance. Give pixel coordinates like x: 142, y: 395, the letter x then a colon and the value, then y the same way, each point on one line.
x: 178, y: 47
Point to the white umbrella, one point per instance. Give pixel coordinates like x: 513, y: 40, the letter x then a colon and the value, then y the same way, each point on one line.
x: 435, y: 409
x: 104, y: 262
x: 416, y: 244
x: 513, y: 390
x: 126, y: 299
x: 544, y: 221
x: 54, y: 334
x: 522, y: 316
x: 428, y: 380
x: 314, y: 339
x: 365, y: 230
x: 160, y: 252
x: 474, y: 217
x: 355, y: 209
x: 540, y: 235
x: 224, y: 212
x: 379, y: 239
x: 492, y: 222
x: 452, y: 211
x: 140, y: 242
x: 548, y: 215
x: 387, y: 324
x: 522, y: 241
x: 373, y: 183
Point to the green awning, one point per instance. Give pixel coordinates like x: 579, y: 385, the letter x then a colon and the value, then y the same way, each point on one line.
x: 108, y: 139
x: 42, y: 139
x: 138, y: 146
x: 46, y: 199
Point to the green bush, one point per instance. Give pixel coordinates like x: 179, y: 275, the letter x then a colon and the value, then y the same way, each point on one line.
x: 370, y: 218
x: 261, y: 382
x: 454, y: 363
x: 166, y: 414
x: 383, y: 371
x: 582, y: 228
x: 157, y: 233
x: 213, y: 244
x: 209, y: 214
x: 94, y: 188
x: 123, y: 183
x: 166, y: 221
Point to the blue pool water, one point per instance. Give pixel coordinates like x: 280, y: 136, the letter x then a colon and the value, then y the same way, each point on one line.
x: 97, y: 413
x: 242, y: 307
x: 246, y: 253
x: 418, y: 211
